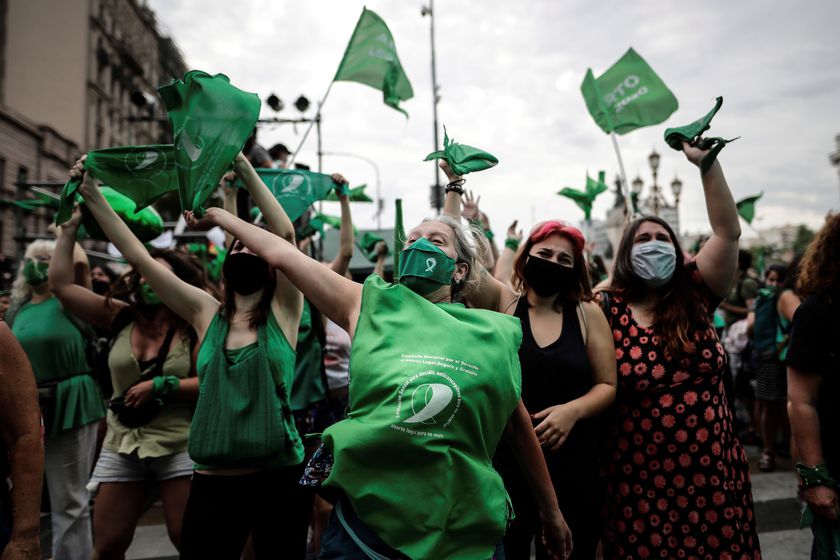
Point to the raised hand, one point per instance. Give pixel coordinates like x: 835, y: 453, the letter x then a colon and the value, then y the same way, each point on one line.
x: 470, y: 210
x: 513, y: 233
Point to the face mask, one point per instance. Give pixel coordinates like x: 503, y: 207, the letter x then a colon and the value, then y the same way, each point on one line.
x: 654, y: 262
x: 100, y: 287
x: 549, y: 278
x: 35, y: 272
x: 245, y: 273
x: 148, y: 295
x: 424, y: 268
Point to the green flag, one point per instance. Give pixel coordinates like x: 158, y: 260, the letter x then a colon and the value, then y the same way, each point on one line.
x: 367, y: 245
x: 462, y: 159
x: 371, y: 58
x: 211, y: 119
x: 627, y: 96
x: 746, y: 207
x: 41, y: 200
x: 399, y: 238
x: 357, y: 194
x: 141, y: 173
x: 585, y: 199
x: 295, y: 189
x: 146, y: 224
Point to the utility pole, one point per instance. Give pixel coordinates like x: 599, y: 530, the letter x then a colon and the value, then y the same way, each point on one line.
x: 437, y: 189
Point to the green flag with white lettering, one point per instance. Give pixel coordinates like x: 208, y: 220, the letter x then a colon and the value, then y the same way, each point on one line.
x: 141, y: 173
x: 746, y: 207
x: 371, y: 59
x: 295, y: 189
x: 211, y: 119
x: 627, y: 96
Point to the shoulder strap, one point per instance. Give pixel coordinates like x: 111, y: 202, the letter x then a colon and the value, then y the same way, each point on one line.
x: 584, y: 322
x: 514, y: 302
x: 157, y: 369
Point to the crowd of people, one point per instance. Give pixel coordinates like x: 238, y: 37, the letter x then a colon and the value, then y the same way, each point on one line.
x: 479, y: 402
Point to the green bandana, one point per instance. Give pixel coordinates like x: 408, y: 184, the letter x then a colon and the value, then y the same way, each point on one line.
x: 145, y: 224
x: 35, y: 272
x: 367, y: 243
x: 295, y: 189
x: 148, y: 295
x: 424, y: 267
x: 692, y: 133
x: 462, y: 158
x: 356, y: 194
x: 211, y: 119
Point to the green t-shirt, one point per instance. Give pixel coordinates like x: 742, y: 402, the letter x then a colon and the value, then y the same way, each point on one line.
x: 56, y: 349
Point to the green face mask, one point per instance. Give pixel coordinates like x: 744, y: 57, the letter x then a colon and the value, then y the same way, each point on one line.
x: 424, y: 267
x: 148, y: 295
x: 35, y: 272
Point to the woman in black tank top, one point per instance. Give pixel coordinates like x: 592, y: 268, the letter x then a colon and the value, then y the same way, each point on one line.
x: 568, y: 379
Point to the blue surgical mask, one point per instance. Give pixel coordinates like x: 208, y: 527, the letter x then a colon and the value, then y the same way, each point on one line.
x: 654, y: 262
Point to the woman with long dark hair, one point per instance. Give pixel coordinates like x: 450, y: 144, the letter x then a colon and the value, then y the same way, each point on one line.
x: 150, y: 363
x: 247, y: 452
x: 677, y: 477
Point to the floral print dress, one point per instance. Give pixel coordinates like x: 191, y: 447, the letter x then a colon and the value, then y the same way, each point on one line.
x: 677, y: 478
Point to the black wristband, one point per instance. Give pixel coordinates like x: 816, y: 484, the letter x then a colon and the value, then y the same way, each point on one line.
x: 457, y: 186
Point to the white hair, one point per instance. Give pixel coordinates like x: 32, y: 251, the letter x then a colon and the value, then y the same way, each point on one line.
x: 21, y: 290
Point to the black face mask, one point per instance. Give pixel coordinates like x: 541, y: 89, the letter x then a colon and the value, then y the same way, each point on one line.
x: 548, y: 278
x: 245, y: 273
x: 100, y: 286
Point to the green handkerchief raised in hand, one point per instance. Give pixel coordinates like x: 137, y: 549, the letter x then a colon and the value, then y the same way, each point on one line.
x: 693, y: 134
x: 463, y: 159
x: 141, y: 173
x: 356, y: 194
x: 295, y: 189
x: 211, y: 119
x: 146, y: 223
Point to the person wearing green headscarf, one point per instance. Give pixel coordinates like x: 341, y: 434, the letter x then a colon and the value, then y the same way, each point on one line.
x: 71, y: 403
x: 434, y: 387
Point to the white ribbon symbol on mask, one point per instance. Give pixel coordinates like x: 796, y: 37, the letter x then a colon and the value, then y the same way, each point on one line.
x: 430, y: 264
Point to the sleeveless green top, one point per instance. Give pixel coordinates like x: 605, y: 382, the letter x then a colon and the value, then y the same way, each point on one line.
x: 243, y: 418
x: 308, y: 386
x: 431, y: 389
x: 167, y: 432
x: 56, y: 349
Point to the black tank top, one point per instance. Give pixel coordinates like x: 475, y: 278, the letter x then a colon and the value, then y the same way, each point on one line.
x: 556, y: 374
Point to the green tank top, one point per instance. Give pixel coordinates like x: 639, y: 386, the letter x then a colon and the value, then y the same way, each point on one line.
x: 243, y: 418
x: 308, y: 386
x: 56, y: 349
x: 431, y: 389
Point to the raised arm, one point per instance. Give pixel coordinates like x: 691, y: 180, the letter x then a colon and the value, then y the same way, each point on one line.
x: 452, y: 199
x: 20, y: 429
x: 76, y: 299
x: 504, y: 266
x: 273, y: 214
x: 718, y: 258
x: 192, y: 303
x: 341, y: 262
x: 229, y: 202
x: 334, y: 295
x: 381, y: 257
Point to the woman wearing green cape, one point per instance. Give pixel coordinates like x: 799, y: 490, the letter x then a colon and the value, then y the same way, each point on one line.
x: 434, y: 387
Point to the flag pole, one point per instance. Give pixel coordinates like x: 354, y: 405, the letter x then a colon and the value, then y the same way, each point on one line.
x: 628, y: 200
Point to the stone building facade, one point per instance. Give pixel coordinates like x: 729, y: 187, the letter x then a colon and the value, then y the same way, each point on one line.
x: 75, y: 75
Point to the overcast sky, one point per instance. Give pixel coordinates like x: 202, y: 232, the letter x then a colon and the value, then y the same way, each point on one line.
x: 509, y: 76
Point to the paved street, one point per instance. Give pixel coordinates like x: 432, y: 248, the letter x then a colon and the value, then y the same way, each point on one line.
x: 774, y: 493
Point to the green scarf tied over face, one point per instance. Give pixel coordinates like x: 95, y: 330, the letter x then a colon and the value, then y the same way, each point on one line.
x: 145, y: 224
x: 35, y: 272
x: 211, y: 119
x: 693, y: 134
x: 461, y: 158
x: 140, y: 173
x: 424, y: 268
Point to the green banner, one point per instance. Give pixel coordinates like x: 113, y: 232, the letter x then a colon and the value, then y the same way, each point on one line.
x: 295, y: 189
x: 627, y: 96
x: 211, y: 119
x: 371, y: 59
x: 746, y: 207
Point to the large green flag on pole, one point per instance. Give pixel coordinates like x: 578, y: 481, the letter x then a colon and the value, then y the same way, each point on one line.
x: 211, y: 119
x: 627, y: 96
x: 295, y: 189
x: 141, y: 173
x: 746, y: 207
x: 371, y: 58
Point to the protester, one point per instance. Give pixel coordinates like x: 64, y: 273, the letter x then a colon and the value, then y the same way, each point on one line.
x: 21, y: 454
x: 568, y: 377
x: 150, y: 363
x: 814, y: 383
x: 243, y: 441
x: 279, y: 155
x: 101, y: 279
x: 70, y: 400
x: 677, y: 477
x: 419, y: 481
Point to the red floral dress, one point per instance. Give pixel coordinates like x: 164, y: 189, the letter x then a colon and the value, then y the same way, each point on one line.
x: 677, y: 478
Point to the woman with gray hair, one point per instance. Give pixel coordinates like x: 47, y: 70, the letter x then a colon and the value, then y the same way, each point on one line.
x: 434, y: 387
x: 71, y: 403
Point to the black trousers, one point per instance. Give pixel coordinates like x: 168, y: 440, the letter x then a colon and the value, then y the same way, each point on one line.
x: 269, y: 505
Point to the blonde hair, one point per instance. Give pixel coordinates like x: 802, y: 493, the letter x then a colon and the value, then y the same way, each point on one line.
x: 21, y: 290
